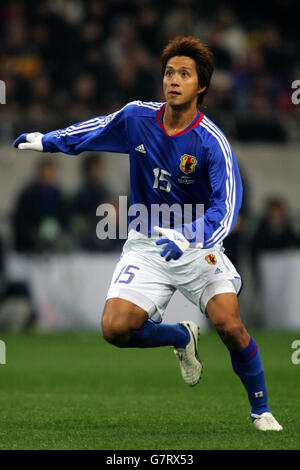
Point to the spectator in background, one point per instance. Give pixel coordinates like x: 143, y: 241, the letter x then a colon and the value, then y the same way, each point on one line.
x: 39, y: 217
x: 274, y: 233
x: 93, y: 192
x: 16, y: 308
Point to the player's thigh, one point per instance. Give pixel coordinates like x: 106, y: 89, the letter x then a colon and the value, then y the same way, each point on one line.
x: 140, y: 279
x: 120, y: 316
x: 205, y: 273
x: 223, y: 309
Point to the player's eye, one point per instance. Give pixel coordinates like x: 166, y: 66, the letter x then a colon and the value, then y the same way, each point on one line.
x: 168, y: 73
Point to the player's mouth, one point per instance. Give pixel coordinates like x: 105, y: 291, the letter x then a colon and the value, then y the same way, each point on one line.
x: 174, y: 93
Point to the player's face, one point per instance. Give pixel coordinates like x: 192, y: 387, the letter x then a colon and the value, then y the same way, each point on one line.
x: 180, y: 83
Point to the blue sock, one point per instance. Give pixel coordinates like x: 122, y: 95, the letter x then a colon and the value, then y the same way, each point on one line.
x: 153, y: 335
x: 248, y: 366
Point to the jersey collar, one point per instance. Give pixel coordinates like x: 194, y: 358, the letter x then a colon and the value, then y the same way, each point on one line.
x: 159, y: 117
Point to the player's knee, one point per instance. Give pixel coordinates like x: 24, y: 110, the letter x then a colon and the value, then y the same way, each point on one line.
x: 114, y: 330
x: 109, y: 335
x: 230, y: 329
x: 114, y: 337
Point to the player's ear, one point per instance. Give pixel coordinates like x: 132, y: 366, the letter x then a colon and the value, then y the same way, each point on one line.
x: 201, y: 89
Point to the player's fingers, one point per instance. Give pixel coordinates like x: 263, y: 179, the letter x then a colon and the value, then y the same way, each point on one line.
x: 174, y: 254
x: 170, y: 256
x: 165, y: 251
x: 162, y: 241
x: 19, y: 140
x: 25, y: 146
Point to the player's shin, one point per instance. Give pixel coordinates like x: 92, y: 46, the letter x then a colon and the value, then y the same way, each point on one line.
x: 248, y: 366
x: 153, y: 335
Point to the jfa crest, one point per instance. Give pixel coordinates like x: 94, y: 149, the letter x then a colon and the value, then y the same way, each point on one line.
x: 188, y: 163
x: 211, y: 259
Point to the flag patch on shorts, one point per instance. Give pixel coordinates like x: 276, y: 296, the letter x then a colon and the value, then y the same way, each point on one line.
x: 259, y: 394
x: 211, y: 259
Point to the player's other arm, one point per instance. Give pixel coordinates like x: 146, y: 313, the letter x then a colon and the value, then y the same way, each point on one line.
x: 103, y: 133
x: 227, y: 191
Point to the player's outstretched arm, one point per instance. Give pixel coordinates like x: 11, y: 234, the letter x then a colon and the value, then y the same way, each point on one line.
x: 103, y: 133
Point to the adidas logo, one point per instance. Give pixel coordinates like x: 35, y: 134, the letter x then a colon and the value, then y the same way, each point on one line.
x: 140, y: 148
x: 217, y: 271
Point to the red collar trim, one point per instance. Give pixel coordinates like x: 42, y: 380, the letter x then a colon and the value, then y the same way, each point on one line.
x: 158, y: 117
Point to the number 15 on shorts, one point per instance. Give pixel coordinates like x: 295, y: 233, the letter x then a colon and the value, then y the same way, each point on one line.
x: 126, y: 274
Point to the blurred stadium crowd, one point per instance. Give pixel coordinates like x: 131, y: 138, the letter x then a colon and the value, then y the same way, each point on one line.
x: 68, y: 60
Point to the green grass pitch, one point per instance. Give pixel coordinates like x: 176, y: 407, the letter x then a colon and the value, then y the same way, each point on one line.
x: 74, y: 391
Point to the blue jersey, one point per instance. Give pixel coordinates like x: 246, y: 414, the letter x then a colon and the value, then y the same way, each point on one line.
x: 195, y: 166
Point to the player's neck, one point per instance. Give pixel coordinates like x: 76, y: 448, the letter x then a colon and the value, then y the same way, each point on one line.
x: 177, y: 119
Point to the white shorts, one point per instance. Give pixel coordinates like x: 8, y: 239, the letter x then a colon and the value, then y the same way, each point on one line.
x: 146, y: 279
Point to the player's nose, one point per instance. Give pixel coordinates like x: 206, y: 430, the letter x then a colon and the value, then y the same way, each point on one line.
x: 174, y: 85
x: 175, y: 80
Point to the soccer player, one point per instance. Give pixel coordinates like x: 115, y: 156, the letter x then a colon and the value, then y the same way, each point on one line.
x: 177, y: 156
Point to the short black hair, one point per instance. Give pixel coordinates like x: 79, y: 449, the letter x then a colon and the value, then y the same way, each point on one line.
x: 193, y: 48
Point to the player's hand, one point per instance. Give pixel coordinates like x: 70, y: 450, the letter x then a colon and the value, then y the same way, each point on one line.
x: 31, y: 141
x: 175, y: 242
